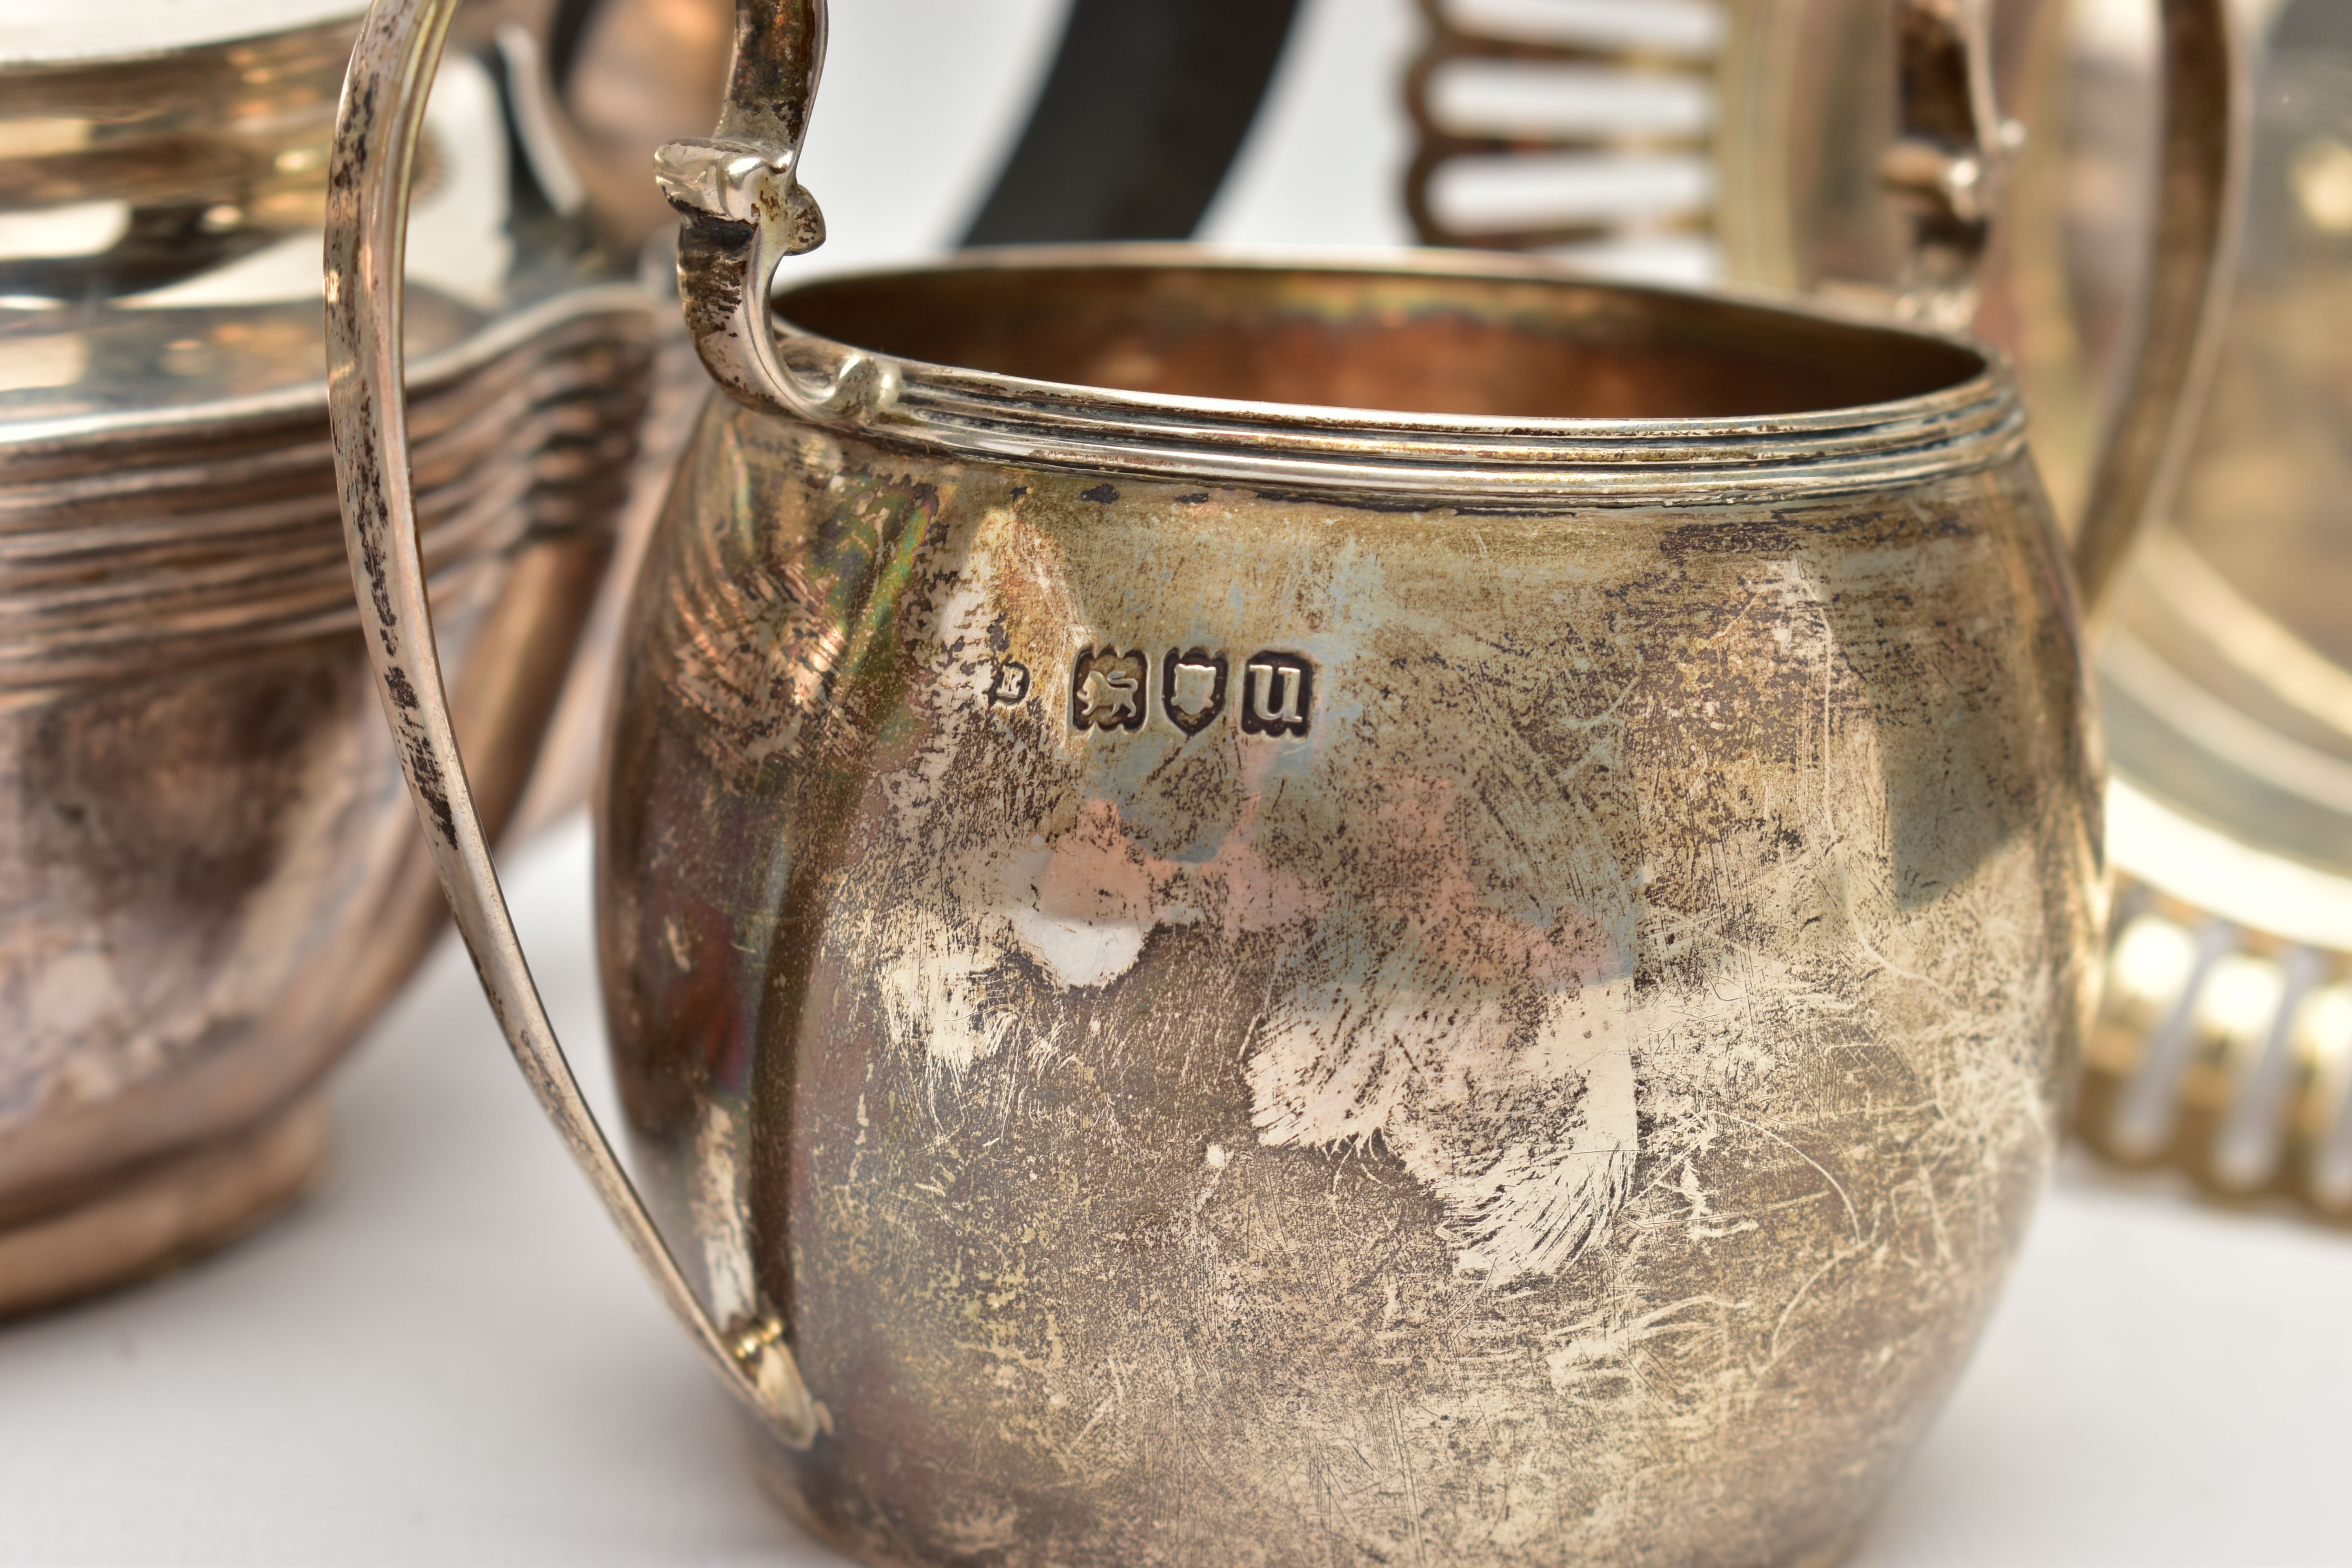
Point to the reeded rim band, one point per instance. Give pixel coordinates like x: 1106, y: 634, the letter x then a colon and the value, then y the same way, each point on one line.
x: 1974, y: 423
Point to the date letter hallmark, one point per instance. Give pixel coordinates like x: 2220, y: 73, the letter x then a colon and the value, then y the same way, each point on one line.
x: 1277, y: 694
x: 1108, y: 689
x: 1193, y: 689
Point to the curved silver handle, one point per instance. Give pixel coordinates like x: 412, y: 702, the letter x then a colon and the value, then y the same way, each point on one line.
x: 1950, y: 161
x: 739, y: 190
x: 369, y: 173
x: 2201, y: 178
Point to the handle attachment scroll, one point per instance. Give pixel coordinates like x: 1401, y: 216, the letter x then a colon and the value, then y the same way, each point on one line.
x: 746, y: 211
x: 369, y: 171
x: 1952, y: 156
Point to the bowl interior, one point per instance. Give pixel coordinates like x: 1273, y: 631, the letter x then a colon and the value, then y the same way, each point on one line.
x: 1413, y: 342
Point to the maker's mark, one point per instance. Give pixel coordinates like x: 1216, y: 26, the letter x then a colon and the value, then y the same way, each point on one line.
x: 1010, y: 686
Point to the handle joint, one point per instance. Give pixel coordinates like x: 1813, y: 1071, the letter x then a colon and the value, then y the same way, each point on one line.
x: 757, y: 1346
x: 742, y: 183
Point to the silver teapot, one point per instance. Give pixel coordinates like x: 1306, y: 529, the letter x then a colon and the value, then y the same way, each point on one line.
x: 209, y: 880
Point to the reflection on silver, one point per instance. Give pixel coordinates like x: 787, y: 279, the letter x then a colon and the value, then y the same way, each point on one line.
x: 2229, y: 679
x: 210, y: 879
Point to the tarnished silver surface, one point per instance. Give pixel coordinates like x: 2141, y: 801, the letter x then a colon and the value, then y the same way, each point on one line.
x: 1545, y: 1056
x: 2225, y: 1049
x: 211, y: 879
x: 1304, y: 1022
x: 1298, y: 912
x: 214, y: 879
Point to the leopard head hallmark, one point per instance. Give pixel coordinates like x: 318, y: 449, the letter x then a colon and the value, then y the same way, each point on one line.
x: 1193, y: 689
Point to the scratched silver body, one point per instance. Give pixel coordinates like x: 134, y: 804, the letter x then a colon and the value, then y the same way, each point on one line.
x: 1288, y: 913
x: 1298, y: 985
x: 210, y: 879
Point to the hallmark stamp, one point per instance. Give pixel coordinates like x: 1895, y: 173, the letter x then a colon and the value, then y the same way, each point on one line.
x: 1010, y: 687
x: 1193, y: 689
x: 1108, y: 690
x: 1277, y: 694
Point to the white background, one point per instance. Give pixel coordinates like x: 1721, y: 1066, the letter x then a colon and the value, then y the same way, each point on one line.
x: 445, y: 1357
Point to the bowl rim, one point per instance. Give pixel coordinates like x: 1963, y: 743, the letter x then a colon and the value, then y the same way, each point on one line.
x: 1970, y: 424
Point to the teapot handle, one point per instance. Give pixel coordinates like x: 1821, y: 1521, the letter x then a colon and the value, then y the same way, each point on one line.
x: 369, y: 174
x: 1948, y: 161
